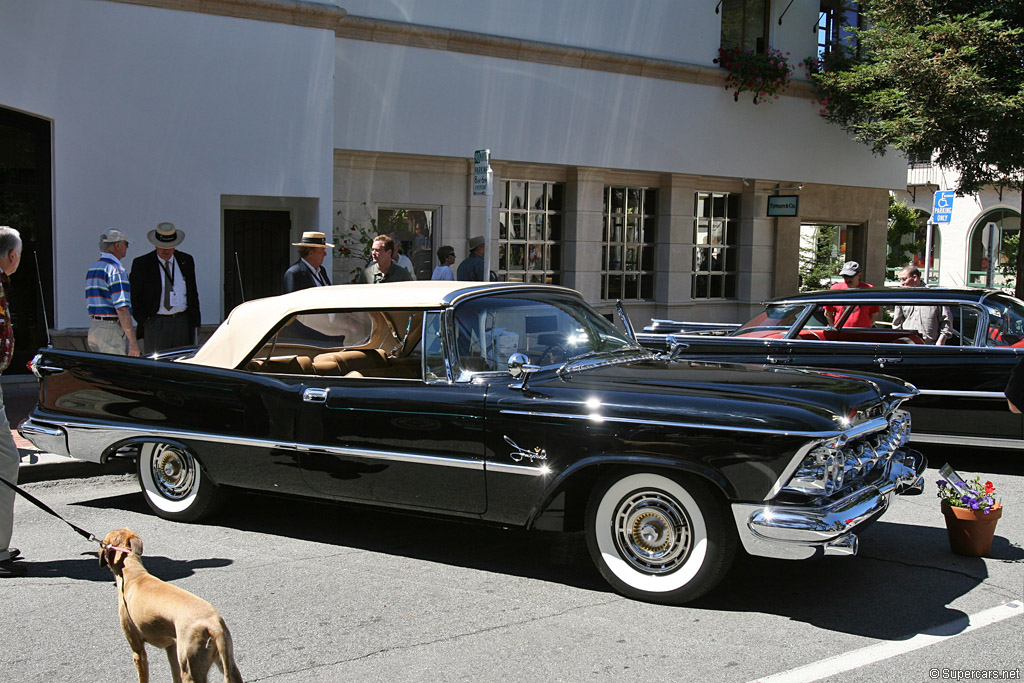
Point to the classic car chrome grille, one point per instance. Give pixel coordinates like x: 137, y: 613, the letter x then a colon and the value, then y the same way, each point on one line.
x: 825, y: 470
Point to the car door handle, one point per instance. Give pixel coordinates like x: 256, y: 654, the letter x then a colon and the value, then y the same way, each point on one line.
x: 314, y: 395
x: 881, y: 362
x: 779, y: 360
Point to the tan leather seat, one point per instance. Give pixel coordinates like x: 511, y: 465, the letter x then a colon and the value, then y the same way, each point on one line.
x: 287, y: 365
x: 341, y: 362
x: 363, y: 359
x: 329, y: 365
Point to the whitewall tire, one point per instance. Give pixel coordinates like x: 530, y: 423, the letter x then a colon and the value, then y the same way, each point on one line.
x: 174, y: 484
x: 659, y: 538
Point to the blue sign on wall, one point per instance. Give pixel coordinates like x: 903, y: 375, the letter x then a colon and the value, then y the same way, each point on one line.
x: 942, y: 208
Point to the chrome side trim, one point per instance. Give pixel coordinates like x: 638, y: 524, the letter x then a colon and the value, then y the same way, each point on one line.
x: 963, y: 394
x: 597, y: 418
x: 88, y: 442
x: 532, y: 471
x: 957, y: 440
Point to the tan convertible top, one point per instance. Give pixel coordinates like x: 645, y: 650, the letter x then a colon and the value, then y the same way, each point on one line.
x: 248, y: 323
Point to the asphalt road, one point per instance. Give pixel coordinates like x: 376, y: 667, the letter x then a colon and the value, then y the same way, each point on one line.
x: 318, y: 592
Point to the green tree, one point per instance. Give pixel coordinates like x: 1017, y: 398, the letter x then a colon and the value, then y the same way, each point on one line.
x: 818, y: 260
x: 902, y: 222
x: 940, y: 79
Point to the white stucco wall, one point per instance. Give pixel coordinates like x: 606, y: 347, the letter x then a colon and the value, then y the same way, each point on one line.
x: 421, y: 101
x: 677, y: 30
x: 663, y: 29
x: 156, y: 114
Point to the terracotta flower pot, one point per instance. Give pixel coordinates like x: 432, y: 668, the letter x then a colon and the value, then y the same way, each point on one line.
x: 971, y: 531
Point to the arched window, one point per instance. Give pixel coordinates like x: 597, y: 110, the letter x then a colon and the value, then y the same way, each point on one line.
x: 997, y: 231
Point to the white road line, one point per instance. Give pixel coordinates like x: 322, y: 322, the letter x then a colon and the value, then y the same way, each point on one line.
x: 882, y: 651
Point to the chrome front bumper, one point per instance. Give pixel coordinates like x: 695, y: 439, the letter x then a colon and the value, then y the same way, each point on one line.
x: 795, y: 533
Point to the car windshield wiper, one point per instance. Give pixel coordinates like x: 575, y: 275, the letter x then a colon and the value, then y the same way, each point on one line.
x: 609, y: 353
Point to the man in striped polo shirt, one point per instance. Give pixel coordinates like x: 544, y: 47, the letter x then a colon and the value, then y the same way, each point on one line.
x: 109, y: 298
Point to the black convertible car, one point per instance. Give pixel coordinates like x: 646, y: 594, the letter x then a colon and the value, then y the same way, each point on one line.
x: 508, y: 404
x: 960, y: 375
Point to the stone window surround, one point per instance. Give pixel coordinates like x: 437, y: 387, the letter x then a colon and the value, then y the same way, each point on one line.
x: 714, y: 263
x: 545, y: 248
x: 639, y: 241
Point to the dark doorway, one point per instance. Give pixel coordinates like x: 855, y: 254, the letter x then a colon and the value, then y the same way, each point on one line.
x: 256, y: 254
x: 25, y: 205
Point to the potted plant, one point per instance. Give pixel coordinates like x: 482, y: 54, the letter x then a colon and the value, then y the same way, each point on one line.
x: 766, y: 74
x: 971, y: 512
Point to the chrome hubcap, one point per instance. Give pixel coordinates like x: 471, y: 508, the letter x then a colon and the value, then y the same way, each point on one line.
x: 174, y: 472
x: 652, y: 532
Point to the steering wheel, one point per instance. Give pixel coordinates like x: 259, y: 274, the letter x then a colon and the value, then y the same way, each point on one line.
x: 553, y: 355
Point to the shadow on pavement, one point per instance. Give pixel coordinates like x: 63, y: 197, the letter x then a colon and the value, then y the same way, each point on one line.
x: 903, y: 567
x: 543, y: 555
x: 88, y: 568
x: 900, y: 566
x: 78, y: 469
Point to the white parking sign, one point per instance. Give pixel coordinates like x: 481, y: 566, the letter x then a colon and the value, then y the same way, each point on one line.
x: 942, y: 208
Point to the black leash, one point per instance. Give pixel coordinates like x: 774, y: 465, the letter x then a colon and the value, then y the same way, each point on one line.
x: 46, y: 508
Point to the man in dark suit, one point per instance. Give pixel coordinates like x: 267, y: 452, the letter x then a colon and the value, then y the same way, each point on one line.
x: 309, y: 270
x: 165, y: 299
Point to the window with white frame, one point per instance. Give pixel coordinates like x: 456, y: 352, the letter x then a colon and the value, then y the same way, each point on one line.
x: 992, y: 260
x: 628, y: 242
x: 835, y: 19
x: 715, y: 245
x: 530, y: 232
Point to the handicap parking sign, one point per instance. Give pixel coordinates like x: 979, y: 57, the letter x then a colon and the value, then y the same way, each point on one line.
x: 942, y: 208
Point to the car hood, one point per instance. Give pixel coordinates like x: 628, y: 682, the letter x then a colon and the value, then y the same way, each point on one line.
x: 732, y: 394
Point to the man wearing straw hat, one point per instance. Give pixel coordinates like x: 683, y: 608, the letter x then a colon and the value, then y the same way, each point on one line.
x: 165, y: 299
x: 108, y: 298
x: 309, y: 270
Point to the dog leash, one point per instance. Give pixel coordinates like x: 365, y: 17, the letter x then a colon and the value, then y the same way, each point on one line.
x: 46, y: 508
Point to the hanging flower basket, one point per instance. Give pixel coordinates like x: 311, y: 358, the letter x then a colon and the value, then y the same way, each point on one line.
x: 765, y: 74
x: 971, y: 512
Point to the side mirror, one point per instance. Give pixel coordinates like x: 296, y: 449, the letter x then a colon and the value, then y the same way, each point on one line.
x: 519, y: 367
x: 674, y: 346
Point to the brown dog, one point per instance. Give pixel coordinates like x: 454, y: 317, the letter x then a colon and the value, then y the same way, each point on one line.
x: 188, y: 628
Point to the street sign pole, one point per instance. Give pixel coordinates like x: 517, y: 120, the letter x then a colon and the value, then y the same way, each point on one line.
x: 483, y: 183
x: 929, y: 232
x: 991, y: 240
x: 942, y: 212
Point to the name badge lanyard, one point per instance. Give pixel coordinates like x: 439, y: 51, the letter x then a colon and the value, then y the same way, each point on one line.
x: 168, y: 269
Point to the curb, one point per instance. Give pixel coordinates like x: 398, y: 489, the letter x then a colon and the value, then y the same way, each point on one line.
x: 34, y: 465
x: 37, y: 466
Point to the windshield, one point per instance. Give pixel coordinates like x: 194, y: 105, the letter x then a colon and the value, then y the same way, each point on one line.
x: 1005, y: 322
x: 549, y: 330
x: 773, y: 317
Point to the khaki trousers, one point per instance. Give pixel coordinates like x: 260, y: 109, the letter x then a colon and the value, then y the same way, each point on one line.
x: 9, y: 460
x: 107, y: 336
